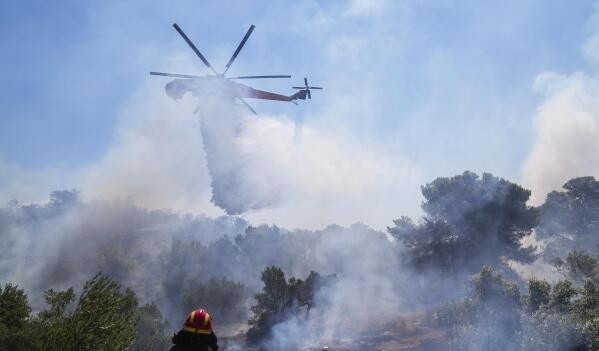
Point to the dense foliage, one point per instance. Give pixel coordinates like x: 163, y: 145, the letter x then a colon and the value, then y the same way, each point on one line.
x: 570, y: 218
x: 488, y: 317
x: 494, y: 316
x: 15, y: 333
x: 151, y: 331
x: 104, y: 318
x: 579, y: 266
x: 468, y: 222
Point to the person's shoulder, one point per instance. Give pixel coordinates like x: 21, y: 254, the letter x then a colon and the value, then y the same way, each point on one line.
x: 178, y: 348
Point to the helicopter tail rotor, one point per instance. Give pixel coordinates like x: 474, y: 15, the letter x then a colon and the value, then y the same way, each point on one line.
x: 307, y: 88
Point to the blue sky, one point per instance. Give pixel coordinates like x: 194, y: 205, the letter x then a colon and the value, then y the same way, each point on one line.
x: 446, y: 85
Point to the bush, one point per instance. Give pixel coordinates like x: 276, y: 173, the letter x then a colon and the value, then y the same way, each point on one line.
x: 549, y: 318
x: 493, y: 314
x: 104, y: 318
x: 281, y: 299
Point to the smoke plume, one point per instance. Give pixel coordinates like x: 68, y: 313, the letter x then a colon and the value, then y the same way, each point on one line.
x: 241, y: 177
x: 567, y: 127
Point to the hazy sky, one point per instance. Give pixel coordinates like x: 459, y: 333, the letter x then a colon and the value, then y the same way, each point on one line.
x: 438, y: 86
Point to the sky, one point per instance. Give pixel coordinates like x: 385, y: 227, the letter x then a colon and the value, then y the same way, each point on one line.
x: 414, y: 90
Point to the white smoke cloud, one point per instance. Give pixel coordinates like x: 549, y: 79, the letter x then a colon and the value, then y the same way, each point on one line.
x: 156, y: 159
x: 364, y: 293
x: 327, y: 178
x: 159, y: 158
x: 567, y: 128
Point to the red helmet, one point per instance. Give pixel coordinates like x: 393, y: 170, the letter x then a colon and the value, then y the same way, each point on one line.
x: 198, y: 322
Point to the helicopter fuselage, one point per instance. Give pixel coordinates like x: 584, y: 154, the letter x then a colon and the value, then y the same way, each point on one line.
x: 222, y: 88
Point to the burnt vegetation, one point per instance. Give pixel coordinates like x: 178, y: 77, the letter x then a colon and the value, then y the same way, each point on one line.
x: 456, y: 261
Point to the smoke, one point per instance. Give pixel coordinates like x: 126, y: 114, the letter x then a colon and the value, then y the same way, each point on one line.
x: 366, y: 291
x: 242, y: 178
x: 259, y: 166
x: 163, y: 156
x: 64, y: 242
x: 567, y: 141
x: 265, y: 167
x: 158, y: 253
x: 155, y: 159
x: 566, y: 144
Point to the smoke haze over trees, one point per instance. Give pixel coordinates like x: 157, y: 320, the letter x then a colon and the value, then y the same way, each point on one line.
x: 468, y: 222
x: 494, y: 316
x: 171, y: 259
x: 570, y: 218
x: 176, y: 262
x: 294, y: 243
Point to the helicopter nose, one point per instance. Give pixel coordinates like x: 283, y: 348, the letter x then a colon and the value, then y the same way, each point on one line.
x: 173, y: 90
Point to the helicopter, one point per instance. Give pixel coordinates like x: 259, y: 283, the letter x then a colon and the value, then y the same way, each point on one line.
x: 220, y: 85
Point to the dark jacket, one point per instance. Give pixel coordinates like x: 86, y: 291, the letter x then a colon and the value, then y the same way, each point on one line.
x: 186, y: 341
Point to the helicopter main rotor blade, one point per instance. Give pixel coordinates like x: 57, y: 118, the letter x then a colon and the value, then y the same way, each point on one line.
x: 193, y: 47
x: 255, y: 77
x: 247, y: 105
x: 316, y: 88
x: 174, y: 75
x: 239, y: 47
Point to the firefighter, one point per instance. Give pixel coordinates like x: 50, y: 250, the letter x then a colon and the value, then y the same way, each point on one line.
x: 197, y: 334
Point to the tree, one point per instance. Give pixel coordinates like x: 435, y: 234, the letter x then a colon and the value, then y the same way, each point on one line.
x: 61, y: 198
x: 281, y: 299
x: 151, y: 330
x: 570, y: 219
x: 538, y: 294
x: 553, y: 325
x: 272, y: 304
x: 104, y: 318
x: 53, y: 321
x: 488, y: 318
x: 578, y: 266
x: 586, y: 311
x: 468, y: 222
x: 549, y: 318
x: 15, y: 333
x: 305, y: 290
